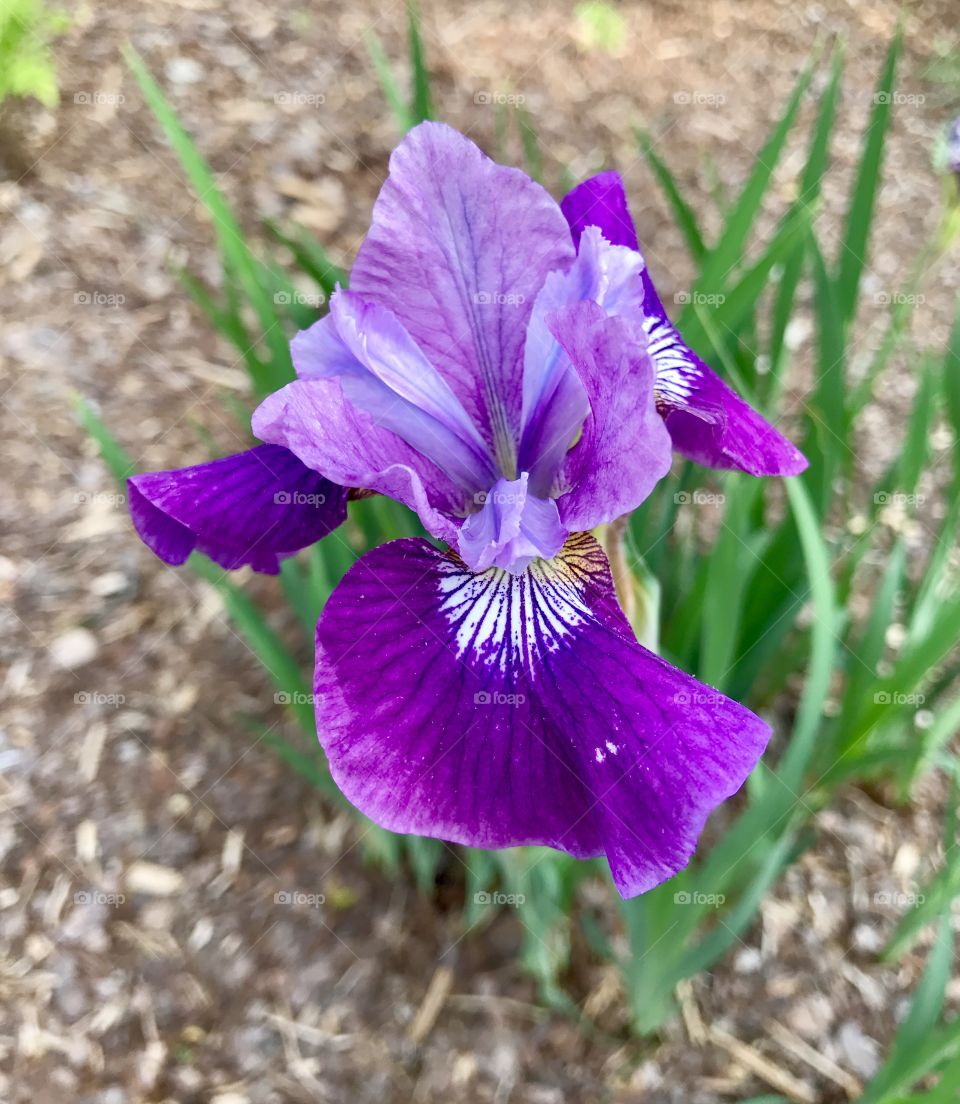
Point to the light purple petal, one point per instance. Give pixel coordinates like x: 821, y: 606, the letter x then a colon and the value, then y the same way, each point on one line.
x: 314, y: 420
x: 601, y: 201
x: 512, y: 528
x: 458, y: 249
x: 385, y: 374
x: 708, y: 422
x: 555, y: 402
x: 495, y: 710
x: 625, y: 448
x: 250, y: 509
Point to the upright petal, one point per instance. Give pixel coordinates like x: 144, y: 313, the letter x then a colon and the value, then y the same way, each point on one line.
x: 708, y: 422
x: 385, y: 374
x: 252, y: 508
x: 555, y: 402
x: 317, y: 423
x: 495, y: 710
x: 458, y: 249
x: 601, y: 201
x: 625, y: 449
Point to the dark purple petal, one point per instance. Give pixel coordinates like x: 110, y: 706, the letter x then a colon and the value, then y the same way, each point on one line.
x: 250, y: 509
x: 708, y: 421
x: 458, y: 249
x: 512, y: 528
x: 625, y: 448
x: 314, y: 420
x: 601, y: 201
x: 496, y: 710
x: 385, y: 374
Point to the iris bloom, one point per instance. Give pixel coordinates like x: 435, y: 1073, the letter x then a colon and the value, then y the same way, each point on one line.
x: 503, y: 366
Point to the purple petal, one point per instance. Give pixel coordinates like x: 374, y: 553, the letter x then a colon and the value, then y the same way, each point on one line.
x: 458, y: 249
x: 385, y: 374
x: 708, y: 421
x: 496, y: 710
x: 625, y: 448
x: 512, y: 528
x: 555, y: 402
x: 601, y: 201
x: 250, y: 509
x: 315, y: 421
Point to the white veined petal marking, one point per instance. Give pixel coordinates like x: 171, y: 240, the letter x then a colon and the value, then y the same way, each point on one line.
x: 676, y: 373
x: 512, y: 621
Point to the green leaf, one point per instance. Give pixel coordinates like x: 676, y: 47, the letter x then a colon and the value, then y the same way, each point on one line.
x: 422, y: 107
x: 233, y: 247
x: 728, y: 251
x: 853, y: 252
x: 682, y: 211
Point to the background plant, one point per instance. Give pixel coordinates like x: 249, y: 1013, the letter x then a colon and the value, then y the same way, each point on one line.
x: 754, y: 578
x: 26, y: 60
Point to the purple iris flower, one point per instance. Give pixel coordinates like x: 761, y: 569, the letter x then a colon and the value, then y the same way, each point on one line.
x: 503, y: 366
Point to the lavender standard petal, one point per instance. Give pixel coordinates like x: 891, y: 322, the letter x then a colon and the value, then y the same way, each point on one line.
x: 385, y: 374
x: 555, y: 402
x: 250, y: 509
x: 495, y: 710
x: 458, y: 249
x: 625, y: 449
